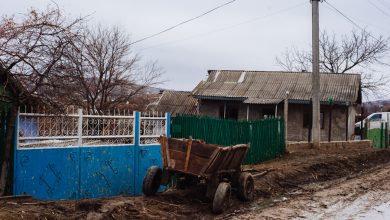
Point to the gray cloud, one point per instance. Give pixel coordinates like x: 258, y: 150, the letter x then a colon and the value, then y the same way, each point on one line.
x: 188, y: 51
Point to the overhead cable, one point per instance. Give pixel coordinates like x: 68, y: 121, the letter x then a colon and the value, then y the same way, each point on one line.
x: 183, y: 22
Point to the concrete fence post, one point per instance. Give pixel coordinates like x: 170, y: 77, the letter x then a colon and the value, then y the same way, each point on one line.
x: 80, y: 127
x: 168, y: 124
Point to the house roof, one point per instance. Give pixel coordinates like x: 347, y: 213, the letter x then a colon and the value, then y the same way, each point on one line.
x: 11, y: 87
x: 176, y: 102
x: 265, y: 87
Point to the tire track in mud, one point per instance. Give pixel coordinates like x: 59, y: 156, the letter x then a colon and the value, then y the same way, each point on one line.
x: 366, y: 196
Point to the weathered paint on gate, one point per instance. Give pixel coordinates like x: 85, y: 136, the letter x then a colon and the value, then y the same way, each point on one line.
x: 85, y: 172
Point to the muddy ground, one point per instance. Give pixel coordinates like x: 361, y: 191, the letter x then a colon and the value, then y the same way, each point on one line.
x: 304, y: 184
x: 365, y: 196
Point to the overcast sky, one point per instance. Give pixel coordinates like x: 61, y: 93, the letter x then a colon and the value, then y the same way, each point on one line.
x: 247, y: 34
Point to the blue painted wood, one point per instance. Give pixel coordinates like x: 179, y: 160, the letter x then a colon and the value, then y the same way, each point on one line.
x: 149, y: 155
x: 47, y: 173
x: 85, y: 172
x: 168, y: 132
x: 107, y: 171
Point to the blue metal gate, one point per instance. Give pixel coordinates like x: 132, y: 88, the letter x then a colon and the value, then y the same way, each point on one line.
x: 73, y: 168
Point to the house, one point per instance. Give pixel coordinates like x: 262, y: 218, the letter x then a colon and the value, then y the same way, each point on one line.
x: 10, y: 88
x: 251, y: 95
x: 175, y: 102
x: 12, y: 91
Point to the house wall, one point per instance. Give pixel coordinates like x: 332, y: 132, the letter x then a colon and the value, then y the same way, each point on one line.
x: 296, y: 130
x: 210, y: 107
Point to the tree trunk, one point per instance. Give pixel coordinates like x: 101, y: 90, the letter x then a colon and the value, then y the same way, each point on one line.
x: 10, y: 130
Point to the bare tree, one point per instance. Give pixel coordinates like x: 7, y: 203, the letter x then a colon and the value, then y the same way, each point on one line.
x: 356, y: 53
x: 64, y: 62
x: 31, y: 49
x: 103, y: 72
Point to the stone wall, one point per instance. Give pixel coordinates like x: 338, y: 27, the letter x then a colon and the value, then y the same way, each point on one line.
x: 330, y: 146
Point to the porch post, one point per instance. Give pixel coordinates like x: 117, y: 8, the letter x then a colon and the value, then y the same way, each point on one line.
x: 224, y: 110
x: 347, y: 123
x: 247, y: 112
x: 286, y: 119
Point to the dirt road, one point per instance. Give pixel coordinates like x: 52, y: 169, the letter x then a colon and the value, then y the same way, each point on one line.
x: 366, y: 196
x: 313, y: 184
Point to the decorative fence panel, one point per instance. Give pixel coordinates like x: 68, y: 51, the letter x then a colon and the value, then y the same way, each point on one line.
x: 266, y: 137
x: 75, y: 156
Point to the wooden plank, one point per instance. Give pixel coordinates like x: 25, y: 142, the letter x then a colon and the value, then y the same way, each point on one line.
x: 195, y: 164
x: 181, y: 171
x: 202, y: 149
x: 211, y: 161
x: 198, y: 148
x: 188, y: 153
x: 163, y: 151
x: 15, y: 197
x: 225, y: 159
x: 166, y: 143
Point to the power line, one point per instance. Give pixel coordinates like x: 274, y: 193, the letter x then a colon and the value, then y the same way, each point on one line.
x: 345, y: 16
x: 183, y: 22
x: 386, y: 4
x: 228, y: 27
x: 350, y: 20
x: 379, y: 9
x: 354, y: 23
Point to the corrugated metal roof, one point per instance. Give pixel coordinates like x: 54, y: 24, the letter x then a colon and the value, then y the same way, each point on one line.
x: 266, y: 85
x: 176, y: 102
x: 262, y: 101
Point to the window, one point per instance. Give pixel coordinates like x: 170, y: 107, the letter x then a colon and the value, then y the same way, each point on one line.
x: 231, y: 111
x: 222, y: 111
x: 268, y: 113
x: 376, y: 117
x: 307, y: 123
x: 307, y: 119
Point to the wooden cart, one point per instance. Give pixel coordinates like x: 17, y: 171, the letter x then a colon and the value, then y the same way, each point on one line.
x: 193, y: 162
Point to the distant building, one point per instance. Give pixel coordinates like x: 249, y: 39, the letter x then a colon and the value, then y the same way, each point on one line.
x: 175, y: 102
x: 13, y: 92
x: 252, y: 95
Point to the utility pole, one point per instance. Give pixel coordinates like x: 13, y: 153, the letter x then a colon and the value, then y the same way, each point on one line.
x: 286, y: 121
x: 315, y: 75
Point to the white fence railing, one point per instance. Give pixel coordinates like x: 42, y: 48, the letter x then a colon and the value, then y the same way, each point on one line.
x: 78, y: 129
x: 151, y: 127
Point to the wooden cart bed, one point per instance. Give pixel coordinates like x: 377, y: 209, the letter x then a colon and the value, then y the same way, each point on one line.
x: 200, y: 159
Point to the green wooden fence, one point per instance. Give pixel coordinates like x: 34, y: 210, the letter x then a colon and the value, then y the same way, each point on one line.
x: 266, y: 137
x: 379, y: 136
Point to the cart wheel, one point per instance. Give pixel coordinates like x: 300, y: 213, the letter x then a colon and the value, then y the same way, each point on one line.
x: 221, y: 198
x: 246, y: 186
x: 152, y: 181
x: 181, y: 183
